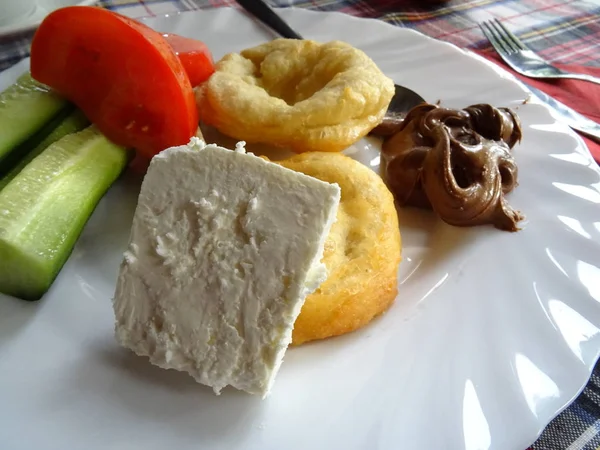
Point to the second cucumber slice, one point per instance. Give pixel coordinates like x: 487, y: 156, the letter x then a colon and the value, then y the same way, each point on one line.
x: 24, y: 108
x: 72, y: 122
x: 45, y: 207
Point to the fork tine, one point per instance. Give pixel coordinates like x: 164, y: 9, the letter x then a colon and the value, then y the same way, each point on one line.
x: 502, y: 37
x: 513, y: 39
x: 489, y: 32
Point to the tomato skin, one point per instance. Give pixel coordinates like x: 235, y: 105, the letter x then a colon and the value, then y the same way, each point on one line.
x: 195, y: 57
x: 124, y: 76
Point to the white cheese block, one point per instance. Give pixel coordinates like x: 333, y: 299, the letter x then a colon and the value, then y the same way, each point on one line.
x: 224, y: 248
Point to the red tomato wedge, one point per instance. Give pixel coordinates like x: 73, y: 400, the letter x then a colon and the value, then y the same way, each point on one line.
x: 194, y: 56
x: 124, y: 76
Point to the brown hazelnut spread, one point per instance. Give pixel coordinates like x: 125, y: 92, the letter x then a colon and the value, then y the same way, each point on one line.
x: 456, y: 162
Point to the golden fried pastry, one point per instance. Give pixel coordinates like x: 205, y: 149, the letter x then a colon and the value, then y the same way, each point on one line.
x: 362, y: 251
x: 297, y: 94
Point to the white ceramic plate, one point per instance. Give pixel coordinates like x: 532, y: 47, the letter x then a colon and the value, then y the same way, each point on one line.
x: 42, y: 9
x: 492, y: 335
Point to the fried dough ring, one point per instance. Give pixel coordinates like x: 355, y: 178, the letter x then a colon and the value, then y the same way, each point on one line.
x: 362, y: 251
x: 297, y: 94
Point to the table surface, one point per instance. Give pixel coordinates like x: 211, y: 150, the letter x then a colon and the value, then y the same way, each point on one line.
x: 562, y: 31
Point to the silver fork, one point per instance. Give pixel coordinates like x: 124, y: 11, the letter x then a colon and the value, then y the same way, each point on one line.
x: 523, y: 60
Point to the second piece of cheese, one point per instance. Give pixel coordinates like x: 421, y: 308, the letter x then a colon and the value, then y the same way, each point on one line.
x: 224, y: 249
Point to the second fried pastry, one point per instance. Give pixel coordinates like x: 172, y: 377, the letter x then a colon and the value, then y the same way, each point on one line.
x: 362, y: 252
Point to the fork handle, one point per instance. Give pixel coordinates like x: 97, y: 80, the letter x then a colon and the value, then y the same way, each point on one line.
x: 581, y: 76
x: 264, y: 13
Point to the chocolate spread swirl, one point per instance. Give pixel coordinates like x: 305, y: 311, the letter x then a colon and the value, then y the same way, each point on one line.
x: 456, y: 162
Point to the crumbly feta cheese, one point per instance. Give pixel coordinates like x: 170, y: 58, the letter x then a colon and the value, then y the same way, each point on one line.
x: 224, y: 248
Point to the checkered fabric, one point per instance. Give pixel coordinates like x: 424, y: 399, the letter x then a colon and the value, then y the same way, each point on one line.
x: 562, y: 31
